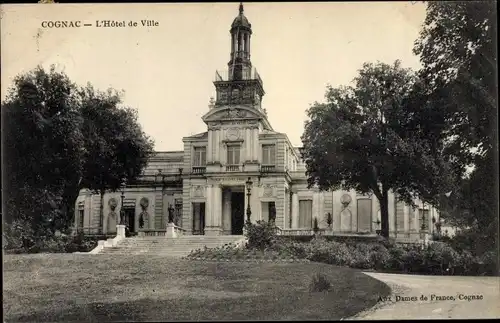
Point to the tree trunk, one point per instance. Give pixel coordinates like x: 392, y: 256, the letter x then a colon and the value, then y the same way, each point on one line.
x: 384, y: 214
x: 101, y: 212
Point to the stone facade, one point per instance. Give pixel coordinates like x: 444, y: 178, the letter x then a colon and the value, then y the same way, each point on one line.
x: 206, y: 185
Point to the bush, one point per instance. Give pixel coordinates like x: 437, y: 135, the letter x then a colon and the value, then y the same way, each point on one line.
x: 260, y: 235
x: 379, y: 256
x: 319, y: 283
x: 361, y: 256
x: 439, y: 258
x: 413, y: 260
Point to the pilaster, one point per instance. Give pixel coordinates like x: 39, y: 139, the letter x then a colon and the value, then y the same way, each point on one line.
x: 392, y: 211
x: 210, y: 147
x: 354, y: 210
x: 295, y: 210
x: 255, y: 154
x: 406, y: 214
x: 226, y: 213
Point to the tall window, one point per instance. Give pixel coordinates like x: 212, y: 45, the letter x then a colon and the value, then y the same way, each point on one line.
x: 423, y: 219
x: 268, y: 154
x: 305, y: 214
x: 80, y: 218
x: 233, y: 155
x: 200, y: 156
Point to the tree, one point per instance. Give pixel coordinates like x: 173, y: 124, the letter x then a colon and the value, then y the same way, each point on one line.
x: 367, y: 137
x: 457, y: 47
x: 57, y: 139
x: 116, y: 148
x: 42, y: 143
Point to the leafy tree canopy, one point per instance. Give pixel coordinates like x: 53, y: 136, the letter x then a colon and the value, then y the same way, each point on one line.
x: 458, y: 50
x: 59, y: 138
x: 369, y: 137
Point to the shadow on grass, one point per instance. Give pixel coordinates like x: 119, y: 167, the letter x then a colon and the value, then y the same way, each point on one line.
x: 105, y: 289
x: 291, y: 306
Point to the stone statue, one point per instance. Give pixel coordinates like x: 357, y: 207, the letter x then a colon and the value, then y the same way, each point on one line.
x: 272, y: 213
x: 170, y: 214
x: 144, y: 216
x: 112, y: 216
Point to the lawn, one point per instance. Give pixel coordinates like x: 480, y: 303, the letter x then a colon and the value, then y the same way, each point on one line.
x: 97, y: 288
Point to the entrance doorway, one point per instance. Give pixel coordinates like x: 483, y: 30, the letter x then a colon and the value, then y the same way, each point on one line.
x: 199, y: 218
x: 237, y: 212
x: 130, y: 219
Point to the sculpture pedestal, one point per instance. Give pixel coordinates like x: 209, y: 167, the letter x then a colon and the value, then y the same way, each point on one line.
x: 120, y: 230
x: 171, y: 231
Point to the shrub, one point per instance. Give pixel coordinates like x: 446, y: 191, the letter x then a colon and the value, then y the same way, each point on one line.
x: 379, y: 256
x: 396, y: 259
x: 439, y: 257
x: 361, y: 256
x: 319, y: 283
x: 260, y: 235
x: 488, y: 263
x: 330, y: 252
x: 413, y: 260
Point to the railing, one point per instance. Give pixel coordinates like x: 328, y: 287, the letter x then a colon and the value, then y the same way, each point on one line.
x: 90, y: 230
x: 179, y: 230
x: 199, y: 169
x: 228, y: 75
x: 321, y: 232
x: 267, y: 168
x: 152, y: 233
x: 159, y: 232
x: 232, y: 168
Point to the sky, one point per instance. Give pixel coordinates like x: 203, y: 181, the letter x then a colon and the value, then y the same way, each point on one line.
x: 166, y: 71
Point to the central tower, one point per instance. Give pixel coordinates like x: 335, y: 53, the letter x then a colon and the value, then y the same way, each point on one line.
x: 240, y: 84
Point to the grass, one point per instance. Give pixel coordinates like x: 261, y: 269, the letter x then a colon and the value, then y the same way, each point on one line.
x: 98, y: 288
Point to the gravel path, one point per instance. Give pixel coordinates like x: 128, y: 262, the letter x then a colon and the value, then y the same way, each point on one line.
x: 455, y: 297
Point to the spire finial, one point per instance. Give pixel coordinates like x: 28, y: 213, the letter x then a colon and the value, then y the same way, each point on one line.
x: 241, y: 8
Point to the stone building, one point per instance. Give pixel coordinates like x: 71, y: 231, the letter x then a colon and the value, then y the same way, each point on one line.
x: 205, y: 185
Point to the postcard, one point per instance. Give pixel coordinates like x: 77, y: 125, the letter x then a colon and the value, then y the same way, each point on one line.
x: 249, y: 161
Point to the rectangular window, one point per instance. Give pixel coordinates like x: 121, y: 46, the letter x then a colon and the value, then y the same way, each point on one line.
x: 305, y: 214
x: 200, y: 156
x: 423, y: 219
x: 233, y: 155
x: 80, y: 218
x: 268, y: 154
x: 364, y: 209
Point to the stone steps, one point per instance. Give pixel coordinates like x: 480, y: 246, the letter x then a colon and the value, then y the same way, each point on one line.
x: 175, y: 247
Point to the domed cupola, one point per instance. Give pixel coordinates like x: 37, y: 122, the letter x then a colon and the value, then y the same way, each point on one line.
x: 241, y: 20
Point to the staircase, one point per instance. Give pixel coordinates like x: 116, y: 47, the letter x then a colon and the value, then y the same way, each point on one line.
x: 173, y: 247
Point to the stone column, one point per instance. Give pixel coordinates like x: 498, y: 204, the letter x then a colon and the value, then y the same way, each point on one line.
x: 417, y: 220
x: 209, y: 147
x: 218, y: 206
x: 214, y: 225
x: 208, y: 207
x: 255, y: 155
x: 226, y: 213
x: 255, y: 203
x: 315, y: 206
x: 375, y: 208
x: 406, y: 215
x: 431, y: 214
x: 336, y: 209
x: 248, y: 145
x: 217, y: 146
x: 295, y: 209
x: 354, y: 211
x: 392, y: 215
x: 321, y: 207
